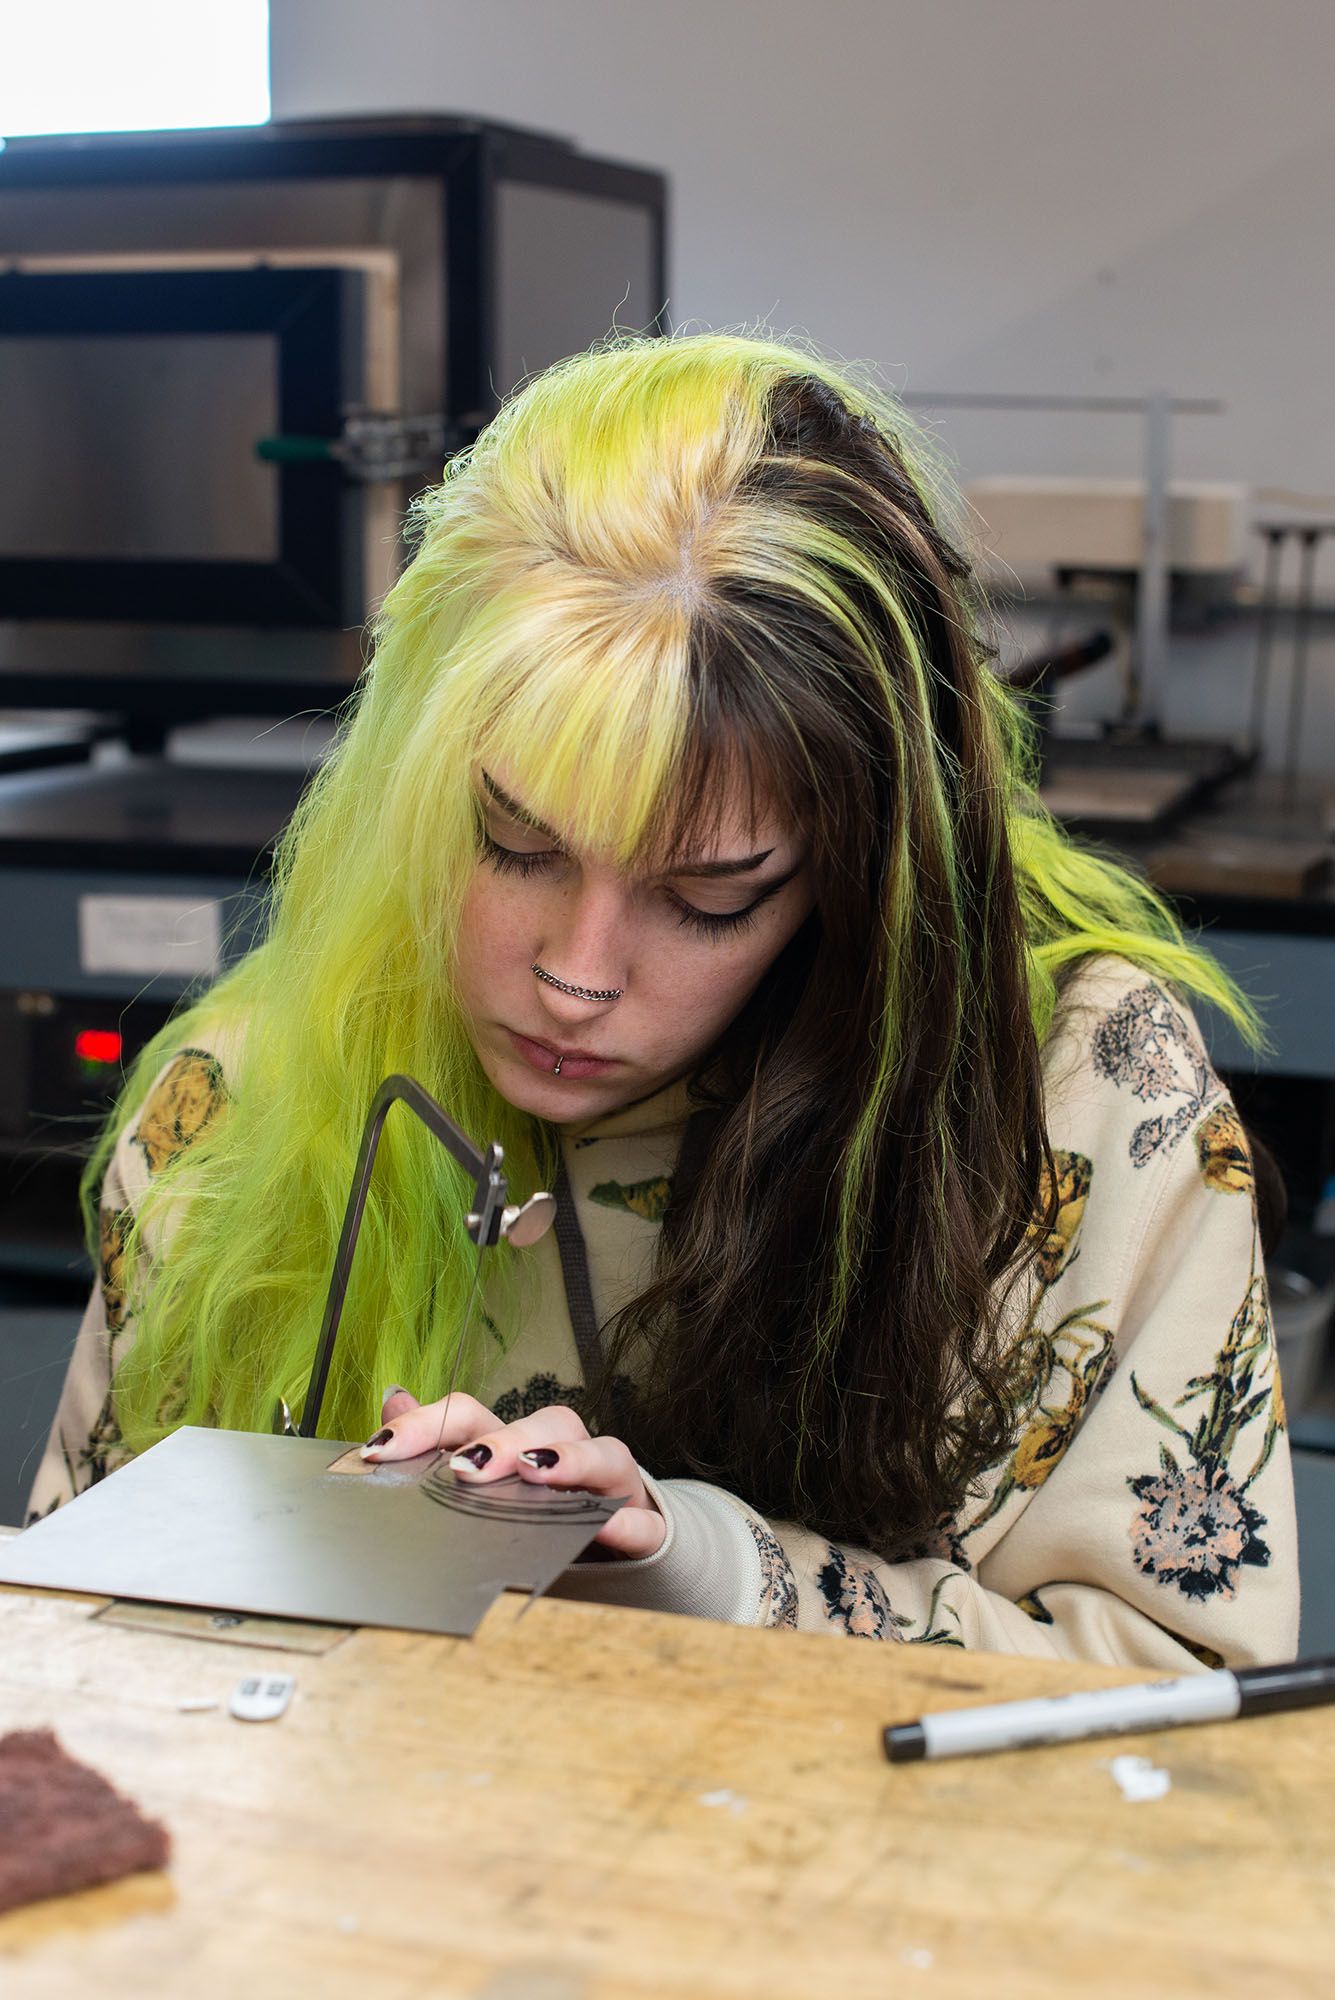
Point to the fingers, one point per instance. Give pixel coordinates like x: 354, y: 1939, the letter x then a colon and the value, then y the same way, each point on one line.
x: 633, y: 1532
x: 452, y: 1421
x: 597, y: 1465
x: 550, y: 1448
x: 493, y: 1452
x: 602, y: 1465
x: 418, y: 1427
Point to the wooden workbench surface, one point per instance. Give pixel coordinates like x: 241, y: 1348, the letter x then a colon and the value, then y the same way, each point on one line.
x: 583, y: 1804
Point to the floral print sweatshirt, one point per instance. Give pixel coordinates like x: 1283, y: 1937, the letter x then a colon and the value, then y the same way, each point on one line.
x: 1143, y: 1512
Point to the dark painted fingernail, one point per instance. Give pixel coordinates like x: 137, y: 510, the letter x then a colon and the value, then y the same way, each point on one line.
x: 476, y: 1456
x: 543, y: 1458
x: 381, y: 1437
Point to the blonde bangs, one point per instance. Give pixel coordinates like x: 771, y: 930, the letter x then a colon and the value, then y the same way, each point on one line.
x: 578, y: 699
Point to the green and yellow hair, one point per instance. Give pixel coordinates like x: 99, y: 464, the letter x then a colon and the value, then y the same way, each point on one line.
x: 662, y: 557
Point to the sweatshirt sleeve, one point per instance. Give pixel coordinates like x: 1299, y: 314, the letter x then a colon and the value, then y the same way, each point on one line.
x: 85, y: 1443
x: 1144, y: 1513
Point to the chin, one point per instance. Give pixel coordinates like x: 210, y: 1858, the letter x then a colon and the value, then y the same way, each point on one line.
x: 557, y: 1099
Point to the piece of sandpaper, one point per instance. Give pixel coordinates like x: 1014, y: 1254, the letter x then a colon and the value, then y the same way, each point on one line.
x: 62, y: 1826
x: 243, y: 1521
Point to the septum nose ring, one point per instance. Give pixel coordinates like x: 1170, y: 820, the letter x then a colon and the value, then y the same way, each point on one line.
x: 577, y: 992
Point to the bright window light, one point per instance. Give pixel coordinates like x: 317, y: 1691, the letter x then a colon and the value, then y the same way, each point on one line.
x: 132, y: 65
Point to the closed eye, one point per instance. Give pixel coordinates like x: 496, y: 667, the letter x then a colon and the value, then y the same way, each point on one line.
x: 722, y: 923
x: 708, y: 923
x: 711, y: 924
x: 517, y: 860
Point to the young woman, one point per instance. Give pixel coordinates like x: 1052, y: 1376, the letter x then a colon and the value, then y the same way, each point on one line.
x: 682, y: 839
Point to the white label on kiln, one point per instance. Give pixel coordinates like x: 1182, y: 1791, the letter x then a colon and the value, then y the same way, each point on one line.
x: 149, y: 934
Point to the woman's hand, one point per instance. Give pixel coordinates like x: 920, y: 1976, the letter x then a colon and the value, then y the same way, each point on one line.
x: 550, y: 1448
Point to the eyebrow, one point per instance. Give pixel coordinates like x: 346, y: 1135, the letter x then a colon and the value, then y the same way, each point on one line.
x: 719, y: 868
x: 515, y: 810
x: 709, y: 870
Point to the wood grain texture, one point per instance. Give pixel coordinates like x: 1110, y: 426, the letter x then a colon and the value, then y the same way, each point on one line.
x: 585, y: 1804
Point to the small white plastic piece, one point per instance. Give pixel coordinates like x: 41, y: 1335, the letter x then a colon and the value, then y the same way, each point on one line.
x: 1138, y: 1778
x: 261, y: 1697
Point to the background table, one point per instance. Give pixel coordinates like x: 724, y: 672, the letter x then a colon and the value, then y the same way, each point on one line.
x: 583, y: 1804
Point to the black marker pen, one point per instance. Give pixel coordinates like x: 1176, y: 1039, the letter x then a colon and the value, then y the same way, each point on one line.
x: 1115, y: 1711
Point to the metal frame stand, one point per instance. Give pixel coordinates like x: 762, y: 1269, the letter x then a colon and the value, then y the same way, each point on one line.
x: 1152, y: 593
x: 1309, y: 536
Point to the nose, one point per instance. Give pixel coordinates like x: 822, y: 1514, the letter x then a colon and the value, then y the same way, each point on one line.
x: 584, y: 949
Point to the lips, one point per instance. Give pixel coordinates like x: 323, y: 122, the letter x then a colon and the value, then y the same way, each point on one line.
x: 575, y: 1063
x: 570, y: 1055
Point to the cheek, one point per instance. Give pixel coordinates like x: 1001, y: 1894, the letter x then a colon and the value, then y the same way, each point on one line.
x: 710, y: 1003
x: 487, y: 937
x: 719, y: 985
x: 749, y: 968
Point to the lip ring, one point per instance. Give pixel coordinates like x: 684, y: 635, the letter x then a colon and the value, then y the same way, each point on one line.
x: 565, y: 1055
x: 577, y: 992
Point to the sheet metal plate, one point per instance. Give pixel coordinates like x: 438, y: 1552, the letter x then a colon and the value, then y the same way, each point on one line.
x: 242, y: 1521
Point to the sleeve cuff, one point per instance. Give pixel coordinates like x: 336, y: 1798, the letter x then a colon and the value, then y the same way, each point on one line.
x: 707, y: 1566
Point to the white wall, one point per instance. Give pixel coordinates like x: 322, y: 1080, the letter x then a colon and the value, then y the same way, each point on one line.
x: 1071, y: 195
x: 1062, y: 195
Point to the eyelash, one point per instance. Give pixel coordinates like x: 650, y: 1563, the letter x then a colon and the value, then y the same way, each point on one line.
x: 707, y: 923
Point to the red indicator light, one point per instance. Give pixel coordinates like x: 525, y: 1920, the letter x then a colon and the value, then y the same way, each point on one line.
x: 98, y: 1045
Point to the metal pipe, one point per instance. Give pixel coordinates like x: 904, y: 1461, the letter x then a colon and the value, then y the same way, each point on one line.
x: 1151, y: 658
x: 1113, y: 406
x: 1298, y: 686
x: 1265, y: 636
